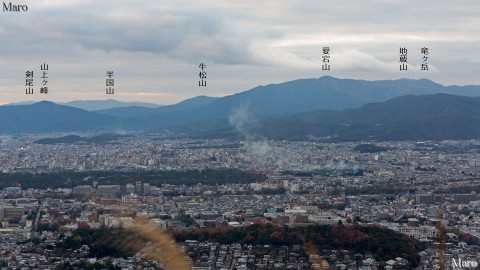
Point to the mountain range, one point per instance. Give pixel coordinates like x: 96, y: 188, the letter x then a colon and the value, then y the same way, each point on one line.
x: 92, y: 105
x: 43, y: 117
x: 324, y: 108
x: 426, y: 117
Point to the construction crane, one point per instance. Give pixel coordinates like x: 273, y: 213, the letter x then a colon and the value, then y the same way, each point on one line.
x: 441, y: 249
x: 441, y: 246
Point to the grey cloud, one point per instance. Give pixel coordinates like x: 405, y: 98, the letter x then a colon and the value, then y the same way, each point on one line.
x: 183, y: 35
x: 244, y: 43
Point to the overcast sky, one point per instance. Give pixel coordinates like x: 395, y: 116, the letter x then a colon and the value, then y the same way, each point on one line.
x: 154, y: 47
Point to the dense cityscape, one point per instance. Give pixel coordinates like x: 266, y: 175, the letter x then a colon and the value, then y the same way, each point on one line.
x: 240, y: 135
x: 424, y: 191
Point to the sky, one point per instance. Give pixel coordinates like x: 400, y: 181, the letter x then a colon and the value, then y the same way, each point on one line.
x: 154, y: 47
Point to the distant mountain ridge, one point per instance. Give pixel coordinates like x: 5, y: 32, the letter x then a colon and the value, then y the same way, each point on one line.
x: 428, y: 117
x: 92, y: 105
x: 326, y: 108
x: 137, y: 112
x: 46, y: 116
x: 325, y: 93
